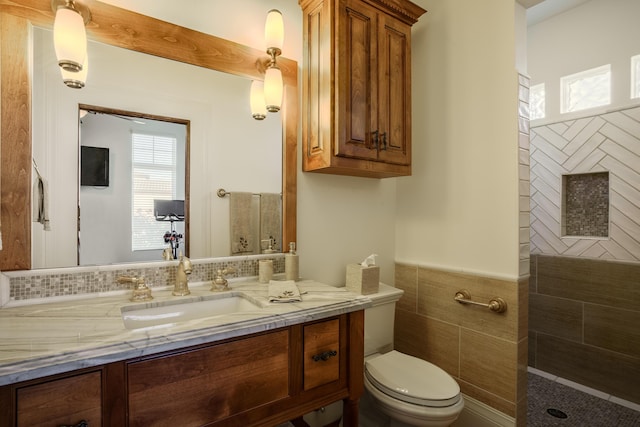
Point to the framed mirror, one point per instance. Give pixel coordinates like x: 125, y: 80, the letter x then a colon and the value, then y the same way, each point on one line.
x: 125, y: 29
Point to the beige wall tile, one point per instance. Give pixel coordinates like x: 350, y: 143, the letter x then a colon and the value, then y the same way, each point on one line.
x: 607, y: 371
x: 489, y: 363
x: 556, y: 316
x: 613, y: 329
x: 502, y: 405
x: 436, y: 290
x: 406, y: 278
x: 428, y: 339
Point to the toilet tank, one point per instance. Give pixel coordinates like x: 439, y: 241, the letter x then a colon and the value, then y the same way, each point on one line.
x: 379, y: 320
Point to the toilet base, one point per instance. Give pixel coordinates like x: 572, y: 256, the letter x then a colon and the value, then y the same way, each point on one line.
x: 412, y: 415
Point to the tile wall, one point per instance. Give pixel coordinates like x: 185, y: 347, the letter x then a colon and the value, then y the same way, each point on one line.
x: 584, y: 318
x: 485, y: 352
x: 24, y: 285
x: 596, y: 144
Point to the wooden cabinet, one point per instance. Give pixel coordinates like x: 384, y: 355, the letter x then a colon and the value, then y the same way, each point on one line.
x: 209, y: 384
x: 263, y: 379
x: 357, y: 86
x: 64, y: 401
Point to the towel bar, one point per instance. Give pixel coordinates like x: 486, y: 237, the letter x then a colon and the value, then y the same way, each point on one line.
x: 222, y: 193
x: 496, y: 304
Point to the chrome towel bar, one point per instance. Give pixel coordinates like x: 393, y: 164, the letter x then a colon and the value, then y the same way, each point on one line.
x: 496, y: 304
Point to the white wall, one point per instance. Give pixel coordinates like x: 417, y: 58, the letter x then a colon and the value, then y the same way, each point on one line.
x: 459, y: 210
x: 596, y: 33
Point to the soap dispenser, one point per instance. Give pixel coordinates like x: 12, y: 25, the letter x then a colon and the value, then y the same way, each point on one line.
x: 291, y: 271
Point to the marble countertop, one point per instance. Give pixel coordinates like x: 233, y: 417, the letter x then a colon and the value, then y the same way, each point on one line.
x: 44, y: 339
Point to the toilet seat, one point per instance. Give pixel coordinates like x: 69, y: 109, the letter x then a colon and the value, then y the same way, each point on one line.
x: 412, y: 380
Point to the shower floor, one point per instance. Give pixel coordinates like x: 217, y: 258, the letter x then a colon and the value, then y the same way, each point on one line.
x: 582, y: 409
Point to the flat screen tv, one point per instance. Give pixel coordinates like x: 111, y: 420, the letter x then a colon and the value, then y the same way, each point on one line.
x: 94, y: 166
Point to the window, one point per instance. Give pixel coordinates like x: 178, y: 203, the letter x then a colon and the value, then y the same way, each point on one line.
x: 586, y: 89
x: 153, y: 177
x: 635, y: 76
x: 537, y: 102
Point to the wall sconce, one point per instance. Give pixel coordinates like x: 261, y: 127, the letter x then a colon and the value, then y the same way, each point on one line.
x: 76, y: 80
x: 69, y: 35
x: 258, y: 107
x: 271, y: 97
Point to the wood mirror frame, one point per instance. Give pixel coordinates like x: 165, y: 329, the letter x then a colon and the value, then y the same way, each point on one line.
x: 123, y: 28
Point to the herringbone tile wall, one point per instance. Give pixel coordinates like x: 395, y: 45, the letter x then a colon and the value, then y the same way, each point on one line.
x: 606, y: 142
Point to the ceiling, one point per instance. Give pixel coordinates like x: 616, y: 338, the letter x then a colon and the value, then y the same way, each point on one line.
x: 540, y: 10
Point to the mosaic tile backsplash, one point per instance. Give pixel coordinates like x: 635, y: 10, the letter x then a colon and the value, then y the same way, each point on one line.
x: 587, y: 204
x: 24, y: 285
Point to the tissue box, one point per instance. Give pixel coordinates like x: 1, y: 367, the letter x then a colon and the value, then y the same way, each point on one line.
x: 363, y: 280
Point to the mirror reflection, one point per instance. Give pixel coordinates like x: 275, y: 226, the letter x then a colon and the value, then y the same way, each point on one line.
x: 227, y: 148
x: 132, y: 187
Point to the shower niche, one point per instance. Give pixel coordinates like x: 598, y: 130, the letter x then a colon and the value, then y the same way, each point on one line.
x: 585, y: 205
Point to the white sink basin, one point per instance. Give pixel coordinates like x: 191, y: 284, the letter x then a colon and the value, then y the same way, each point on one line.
x: 182, y: 311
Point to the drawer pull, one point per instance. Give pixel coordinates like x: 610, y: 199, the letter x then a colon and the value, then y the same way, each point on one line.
x: 82, y: 423
x: 324, y: 355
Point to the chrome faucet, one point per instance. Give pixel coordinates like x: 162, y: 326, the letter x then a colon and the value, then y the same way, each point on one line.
x: 181, y: 287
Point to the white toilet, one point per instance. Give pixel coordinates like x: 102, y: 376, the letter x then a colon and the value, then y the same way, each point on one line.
x: 407, y: 389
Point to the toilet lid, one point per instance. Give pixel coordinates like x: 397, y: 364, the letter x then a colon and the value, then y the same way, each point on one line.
x: 412, y: 380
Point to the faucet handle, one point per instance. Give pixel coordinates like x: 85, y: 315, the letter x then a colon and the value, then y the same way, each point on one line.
x: 141, y: 292
x: 220, y: 283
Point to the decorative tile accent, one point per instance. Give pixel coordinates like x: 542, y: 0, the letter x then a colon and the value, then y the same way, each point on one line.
x: 604, y: 143
x: 47, y: 283
x: 586, y: 204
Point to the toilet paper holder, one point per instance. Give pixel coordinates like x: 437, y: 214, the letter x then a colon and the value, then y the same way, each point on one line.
x: 496, y: 304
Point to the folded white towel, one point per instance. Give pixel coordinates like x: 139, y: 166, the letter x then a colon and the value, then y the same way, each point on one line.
x: 284, y: 291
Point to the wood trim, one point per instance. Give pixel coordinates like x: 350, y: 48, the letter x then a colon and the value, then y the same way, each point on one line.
x: 129, y: 30
x: 15, y: 148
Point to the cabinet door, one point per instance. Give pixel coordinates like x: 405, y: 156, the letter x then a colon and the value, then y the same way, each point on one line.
x: 209, y: 384
x: 356, y: 98
x: 321, y: 353
x: 394, y: 91
x: 66, y: 401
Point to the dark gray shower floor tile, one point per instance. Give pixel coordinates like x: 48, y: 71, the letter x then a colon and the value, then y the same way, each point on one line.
x: 582, y: 409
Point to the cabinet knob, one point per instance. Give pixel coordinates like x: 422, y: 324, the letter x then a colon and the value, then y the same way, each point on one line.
x: 324, y: 356
x: 384, y: 141
x: 82, y: 423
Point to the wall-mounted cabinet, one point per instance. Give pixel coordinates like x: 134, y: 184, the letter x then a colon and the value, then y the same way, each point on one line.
x: 356, y: 116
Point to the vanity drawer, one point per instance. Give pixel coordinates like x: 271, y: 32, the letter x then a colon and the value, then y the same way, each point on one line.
x: 321, y: 353
x: 65, y: 401
x: 209, y: 384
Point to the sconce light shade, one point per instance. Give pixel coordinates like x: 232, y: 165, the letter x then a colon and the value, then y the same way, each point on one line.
x: 273, y: 89
x: 76, y: 80
x: 274, y: 31
x: 258, y: 108
x: 69, y: 38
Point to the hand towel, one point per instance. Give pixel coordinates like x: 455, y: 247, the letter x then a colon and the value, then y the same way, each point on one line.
x: 285, y: 291
x: 271, y: 219
x: 242, y: 241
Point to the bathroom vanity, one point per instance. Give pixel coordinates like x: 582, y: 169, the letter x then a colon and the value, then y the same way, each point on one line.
x: 252, y: 368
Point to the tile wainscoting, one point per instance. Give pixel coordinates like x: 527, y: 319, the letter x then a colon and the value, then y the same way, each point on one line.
x: 485, y: 352
x: 583, y: 326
